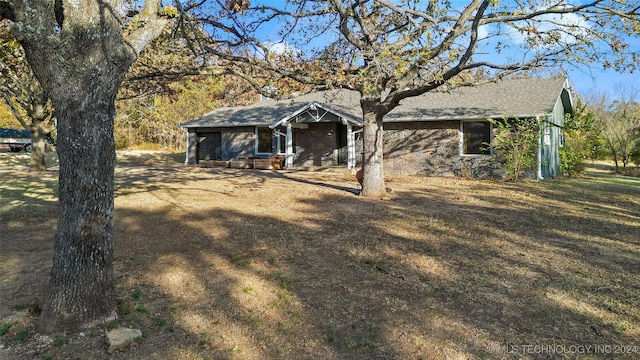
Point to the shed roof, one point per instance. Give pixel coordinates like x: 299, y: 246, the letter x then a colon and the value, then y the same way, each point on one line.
x: 504, y: 98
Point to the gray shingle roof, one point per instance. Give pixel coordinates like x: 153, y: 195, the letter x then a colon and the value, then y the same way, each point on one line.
x: 269, y: 111
x: 505, y: 98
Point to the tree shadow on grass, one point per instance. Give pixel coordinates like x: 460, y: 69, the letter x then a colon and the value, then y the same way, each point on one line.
x: 352, y: 289
x: 27, y: 216
x: 436, y: 272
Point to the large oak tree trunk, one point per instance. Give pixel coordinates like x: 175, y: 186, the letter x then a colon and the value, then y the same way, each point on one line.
x: 82, y: 286
x: 82, y: 290
x: 373, y: 185
x: 79, y: 51
x: 81, y: 73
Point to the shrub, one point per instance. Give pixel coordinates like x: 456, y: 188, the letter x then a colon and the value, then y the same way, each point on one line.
x: 635, y: 153
x: 515, y: 145
x: 582, y: 141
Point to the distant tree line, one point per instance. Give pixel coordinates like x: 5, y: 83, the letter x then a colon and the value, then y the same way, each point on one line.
x: 167, y: 86
x: 151, y: 121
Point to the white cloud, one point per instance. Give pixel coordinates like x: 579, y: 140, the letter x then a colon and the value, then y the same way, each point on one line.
x: 566, y: 27
x: 281, y: 47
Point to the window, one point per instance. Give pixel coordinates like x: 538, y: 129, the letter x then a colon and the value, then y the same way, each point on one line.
x: 476, y: 137
x: 547, y: 135
x: 264, y: 140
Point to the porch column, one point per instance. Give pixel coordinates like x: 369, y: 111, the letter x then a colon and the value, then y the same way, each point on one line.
x: 351, y: 148
x: 289, y: 150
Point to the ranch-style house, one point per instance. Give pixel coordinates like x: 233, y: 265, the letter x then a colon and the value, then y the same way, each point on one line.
x: 437, y: 133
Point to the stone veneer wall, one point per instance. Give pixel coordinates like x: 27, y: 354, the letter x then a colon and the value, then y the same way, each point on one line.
x: 431, y: 148
x: 428, y: 148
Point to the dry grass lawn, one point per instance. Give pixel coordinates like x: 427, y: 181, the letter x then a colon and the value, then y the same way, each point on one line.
x: 244, y: 264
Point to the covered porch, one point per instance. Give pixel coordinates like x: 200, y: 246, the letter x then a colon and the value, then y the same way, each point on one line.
x: 312, y: 130
x: 316, y: 135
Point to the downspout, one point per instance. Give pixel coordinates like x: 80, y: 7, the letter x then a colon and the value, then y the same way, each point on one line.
x: 186, y: 145
x: 539, y: 156
x: 289, y: 148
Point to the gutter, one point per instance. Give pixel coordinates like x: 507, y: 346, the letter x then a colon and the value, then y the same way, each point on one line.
x: 186, y: 145
x: 539, y: 155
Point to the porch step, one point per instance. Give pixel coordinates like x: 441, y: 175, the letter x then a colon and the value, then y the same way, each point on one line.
x: 334, y: 169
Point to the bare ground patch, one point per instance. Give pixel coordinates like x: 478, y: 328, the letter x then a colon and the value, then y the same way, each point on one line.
x: 243, y: 264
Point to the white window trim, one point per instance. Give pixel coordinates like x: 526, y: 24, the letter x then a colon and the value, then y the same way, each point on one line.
x: 461, y: 139
x: 281, y: 140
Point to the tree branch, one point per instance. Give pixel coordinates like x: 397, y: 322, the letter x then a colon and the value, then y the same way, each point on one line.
x: 139, y: 38
x: 14, y: 110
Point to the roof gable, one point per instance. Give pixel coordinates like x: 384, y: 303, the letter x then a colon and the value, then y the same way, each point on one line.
x: 316, y: 112
x: 343, y: 103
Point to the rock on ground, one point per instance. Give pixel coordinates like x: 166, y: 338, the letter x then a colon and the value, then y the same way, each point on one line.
x: 122, y: 337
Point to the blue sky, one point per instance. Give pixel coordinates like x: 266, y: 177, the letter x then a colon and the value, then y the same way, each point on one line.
x: 593, y: 80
